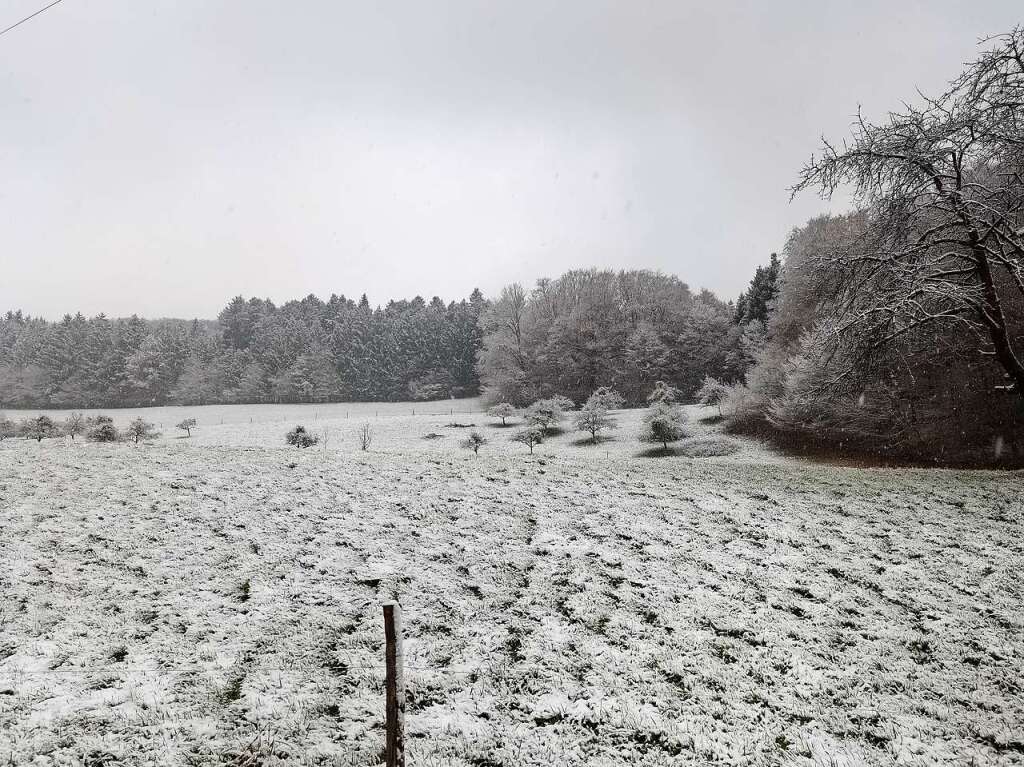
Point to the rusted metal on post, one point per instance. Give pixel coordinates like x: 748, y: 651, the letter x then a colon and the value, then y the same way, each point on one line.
x: 394, y: 752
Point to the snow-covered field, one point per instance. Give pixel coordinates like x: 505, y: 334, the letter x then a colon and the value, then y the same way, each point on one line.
x: 216, y: 600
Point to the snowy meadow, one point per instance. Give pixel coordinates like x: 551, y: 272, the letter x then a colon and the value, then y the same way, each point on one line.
x: 216, y: 599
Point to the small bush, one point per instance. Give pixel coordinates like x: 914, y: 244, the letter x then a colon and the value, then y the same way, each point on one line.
x: 663, y: 393
x: 140, y: 430
x: 365, y: 436
x: 474, y: 442
x: 607, y: 398
x: 530, y: 437
x: 101, y: 428
x: 502, y: 410
x: 300, y: 437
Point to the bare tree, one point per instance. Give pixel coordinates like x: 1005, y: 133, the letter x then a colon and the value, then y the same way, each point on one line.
x: 74, y: 424
x: 474, y: 442
x: 530, y: 437
x: 187, y: 426
x: 140, y: 430
x: 365, y: 436
x: 944, y: 247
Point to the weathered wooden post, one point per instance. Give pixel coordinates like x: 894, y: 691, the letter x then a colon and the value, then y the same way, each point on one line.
x: 394, y: 751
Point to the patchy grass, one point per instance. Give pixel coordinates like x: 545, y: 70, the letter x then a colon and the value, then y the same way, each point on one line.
x: 708, y: 447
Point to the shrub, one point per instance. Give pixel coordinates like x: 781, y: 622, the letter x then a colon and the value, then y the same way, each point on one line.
x: 547, y: 413
x: 187, y: 426
x: 593, y: 419
x: 139, y: 429
x: 663, y: 422
x: 712, y: 392
x: 38, y: 428
x: 662, y: 392
x: 300, y: 437
x: 607, y: 398
x: 474, y: 442
x: 7, y: 428
x: 530, y: 437
x: 365, y: 436
x: 743, y: 407
x: 101, y: 428
x: 593, y: 416
x: 502, y: 410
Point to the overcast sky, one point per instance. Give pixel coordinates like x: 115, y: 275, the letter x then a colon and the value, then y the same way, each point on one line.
x: 159, y: 157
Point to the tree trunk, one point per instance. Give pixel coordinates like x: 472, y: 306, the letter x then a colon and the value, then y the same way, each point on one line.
x: 996, y: 320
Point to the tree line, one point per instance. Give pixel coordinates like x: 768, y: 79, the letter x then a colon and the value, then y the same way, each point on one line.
x: 301, y: 351
x: 573, y: 334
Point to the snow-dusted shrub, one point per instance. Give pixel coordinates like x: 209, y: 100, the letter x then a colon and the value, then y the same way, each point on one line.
x: 474, y: 442
x: 365, y: 436
x: 531, y: 437
x: 38, y: 428
x: 74, y: 424
x: 663, y: 422
x: 741, y: 406
x: 663, y: 392
x: 502, y: 410
x: 607, y: 398
x: 140, y: 430
x: 545, y: 414
x: 708, y: 447
x: 593, y: 419
x: 7, y: 427
x: 101, y: 428
x: 711, y: 393
x: 300, y: 437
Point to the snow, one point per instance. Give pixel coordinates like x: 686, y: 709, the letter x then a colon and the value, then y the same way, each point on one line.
x: 581, y: 606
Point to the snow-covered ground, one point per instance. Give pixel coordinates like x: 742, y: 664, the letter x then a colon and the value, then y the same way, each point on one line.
x: 216, y: 600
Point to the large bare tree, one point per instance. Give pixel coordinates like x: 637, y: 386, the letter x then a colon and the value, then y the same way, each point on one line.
x: 942, y: 184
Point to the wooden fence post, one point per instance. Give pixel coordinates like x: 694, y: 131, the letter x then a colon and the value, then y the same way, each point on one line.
x: 394, y: 754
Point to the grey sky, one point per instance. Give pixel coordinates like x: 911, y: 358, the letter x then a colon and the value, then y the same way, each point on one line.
x: 159, y: 157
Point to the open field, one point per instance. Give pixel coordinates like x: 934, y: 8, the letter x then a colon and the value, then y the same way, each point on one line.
x: 216, y: 600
